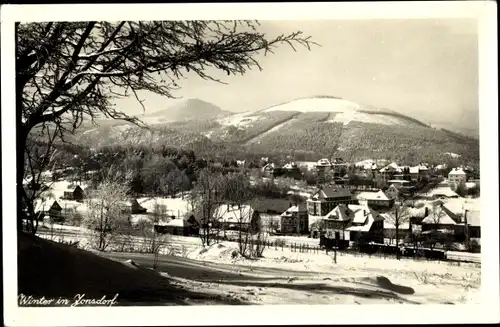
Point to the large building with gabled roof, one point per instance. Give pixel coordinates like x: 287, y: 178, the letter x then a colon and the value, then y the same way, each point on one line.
x: 325, y: 200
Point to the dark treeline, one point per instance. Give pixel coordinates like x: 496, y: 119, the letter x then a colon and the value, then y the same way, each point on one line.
x: 155, y: 170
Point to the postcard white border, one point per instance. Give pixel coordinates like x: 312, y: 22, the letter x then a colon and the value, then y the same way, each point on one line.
x: 484, y: 11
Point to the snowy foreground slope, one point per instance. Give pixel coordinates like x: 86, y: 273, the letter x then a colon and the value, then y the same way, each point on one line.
x: 314, y: 278
x: 285, y: 277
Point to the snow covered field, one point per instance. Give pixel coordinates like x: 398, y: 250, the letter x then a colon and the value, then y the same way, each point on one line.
x: 282, y: 276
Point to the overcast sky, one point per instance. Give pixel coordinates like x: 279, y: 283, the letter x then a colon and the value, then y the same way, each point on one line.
x: 427, y: 68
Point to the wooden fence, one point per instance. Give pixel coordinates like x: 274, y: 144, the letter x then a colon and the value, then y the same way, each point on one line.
x: 139, y: 244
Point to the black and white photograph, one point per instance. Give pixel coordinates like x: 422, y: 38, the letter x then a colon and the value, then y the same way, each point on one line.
x: 258, y: 163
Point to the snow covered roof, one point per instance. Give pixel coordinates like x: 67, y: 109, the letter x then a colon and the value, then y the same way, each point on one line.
x: 129, y: 203
x: 72, y: 188
x: 414, y: 170
x: 365, y: 216
x: 331, y: 192
x: 459, y: 205
x: 290, y: 165
x: 234, y: 214
x: 470, y: 185
x: 356, y: 214
x: 135, y: 219
x: 306, y: 163
x: 365, y: 163
x: 457, y: 172
x: 390, y: 220
x: 440, y: 217
x: 453, y: 155
x: 380, y: 195
x: 417, y: 212
x: 392, y: 188
x: 442, y: 191
x: 269, y: 165
x: 177, y: 223
x: 391, y: 167
x: 397, y: 181
x: 340, y: 212
x: 323, y: 162
x: 177, y: 206
x: 46, y: 205
x: 294, y: 209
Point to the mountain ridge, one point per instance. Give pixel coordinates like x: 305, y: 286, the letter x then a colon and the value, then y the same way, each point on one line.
x: 192, y: 108
x: 311, y: 126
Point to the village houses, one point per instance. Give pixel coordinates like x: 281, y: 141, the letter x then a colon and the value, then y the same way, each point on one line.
x: 234, y: 216
x: 377, y: 200
x: 294, y: 220
x: 132, y: 207
x: 456, y: 176
x: 325, y: 200
x: 74, y: 192
x: 419, y: 172
x: 351, y: 222
x: 49, y: 208
x: 392, y: 192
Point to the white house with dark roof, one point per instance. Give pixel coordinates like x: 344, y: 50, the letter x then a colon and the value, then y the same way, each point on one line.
x: 294, y: 220
x: 350, y: 221
x: 233, y: 216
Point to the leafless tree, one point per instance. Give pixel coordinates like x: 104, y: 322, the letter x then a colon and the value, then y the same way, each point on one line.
x: 237, y: 193
x: 39, y: 158
x: 398, y: 217
x: 69, y: 71
x: 105, y: 213
x: 260, y: 240
x: 437, y: 213
x: 206, y: 203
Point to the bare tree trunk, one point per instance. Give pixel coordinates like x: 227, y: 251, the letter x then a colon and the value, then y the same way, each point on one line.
x: 22, y: 198
x: 20, y: 146
x: 397, y: 241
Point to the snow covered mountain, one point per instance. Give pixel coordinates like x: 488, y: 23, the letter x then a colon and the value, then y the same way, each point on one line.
x: 185, y: 110
x: 315, y: 127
